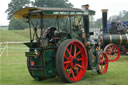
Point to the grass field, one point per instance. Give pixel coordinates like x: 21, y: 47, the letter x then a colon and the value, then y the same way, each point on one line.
x: 13, y: 68
x: 14, y: 35
x: 13, y: 71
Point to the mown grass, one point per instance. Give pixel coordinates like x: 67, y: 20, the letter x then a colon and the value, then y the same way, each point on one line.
x: 13, y: 68
x: 14, y: 35
x: 14, y: 72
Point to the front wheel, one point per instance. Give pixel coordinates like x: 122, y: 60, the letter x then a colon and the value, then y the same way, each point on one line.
x: 103, y: 63
x: 71, y: 60
x: 113, y: 52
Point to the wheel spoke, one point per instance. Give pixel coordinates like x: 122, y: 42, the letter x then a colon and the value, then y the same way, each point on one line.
x: 79, y: 59
x: 101, y: 62
x: 65, y: 57
x: 69, y: 72
x: 107, y: 51
x: 77, y: 53
x: 112, y: 48
x: 113, y: 56
x: 102, y: 67
x: 103, y: 59
x: 73, y: 74
x: 74, y: 50
x: 110, y: 57
x: 79, y: 66
x: 76, y: 69
x: 66, y: 67
x: 69, y: 52
x: 67, y: 62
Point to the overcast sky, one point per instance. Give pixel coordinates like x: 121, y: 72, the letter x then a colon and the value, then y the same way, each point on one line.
x: 114, y: 7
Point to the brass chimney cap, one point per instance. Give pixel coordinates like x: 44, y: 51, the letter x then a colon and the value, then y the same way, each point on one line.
x: 104, y: 10
x: 86, y: 6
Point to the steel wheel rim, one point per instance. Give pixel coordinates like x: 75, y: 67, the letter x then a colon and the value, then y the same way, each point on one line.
x: 75, y: 61
x: 103, y: 63
x: 113, y: 52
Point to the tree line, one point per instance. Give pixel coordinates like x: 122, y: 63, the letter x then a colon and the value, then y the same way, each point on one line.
x: 122, y: 16
x: 15, y: 5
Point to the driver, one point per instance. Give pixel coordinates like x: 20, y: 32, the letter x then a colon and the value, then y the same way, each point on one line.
x: 49, y: 33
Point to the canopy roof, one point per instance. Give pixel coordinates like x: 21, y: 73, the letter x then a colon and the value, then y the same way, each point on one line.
x: 38, y: 12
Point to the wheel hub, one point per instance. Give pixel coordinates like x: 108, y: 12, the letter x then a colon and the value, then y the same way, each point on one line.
x: 74, y: 60
x: 113, y: 53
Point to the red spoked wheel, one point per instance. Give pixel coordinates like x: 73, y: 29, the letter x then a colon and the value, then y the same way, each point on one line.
x: 71, y: 60
x: 103, y: 63
x: 113, y: 52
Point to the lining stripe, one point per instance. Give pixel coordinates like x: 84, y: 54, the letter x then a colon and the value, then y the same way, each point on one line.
x: 110, y: 38
x: 120, y: 39
x: 127, y: 39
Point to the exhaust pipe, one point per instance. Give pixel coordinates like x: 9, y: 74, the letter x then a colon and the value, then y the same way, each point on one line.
x: 86, y: 20
x: 104, y: 20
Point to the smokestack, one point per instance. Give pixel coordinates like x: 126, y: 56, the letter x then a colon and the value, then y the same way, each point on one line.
x: 86, y: 20
x: 104, y: 20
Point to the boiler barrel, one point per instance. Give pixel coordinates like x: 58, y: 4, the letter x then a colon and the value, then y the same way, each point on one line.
x: 115, y: 39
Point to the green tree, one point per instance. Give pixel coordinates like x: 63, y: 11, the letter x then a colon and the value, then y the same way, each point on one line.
x: 98, y: 23
x: 15, y: 5
x: 53, y: 3
x: 125, y: 17
x: 16, y: 24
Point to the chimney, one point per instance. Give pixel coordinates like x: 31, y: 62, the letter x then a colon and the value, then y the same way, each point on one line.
x: 104, y: 20
x: 86, y: 20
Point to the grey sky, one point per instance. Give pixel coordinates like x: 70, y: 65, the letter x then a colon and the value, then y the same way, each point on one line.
x: 114, y: 7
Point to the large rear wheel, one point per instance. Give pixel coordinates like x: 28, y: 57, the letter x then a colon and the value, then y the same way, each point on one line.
x: 71, y: 60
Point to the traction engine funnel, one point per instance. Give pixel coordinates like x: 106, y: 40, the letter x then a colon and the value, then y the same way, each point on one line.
x: 104, y: 20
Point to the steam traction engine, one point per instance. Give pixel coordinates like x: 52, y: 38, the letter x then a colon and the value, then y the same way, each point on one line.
x: 60, y: 44
x: 114, y: 39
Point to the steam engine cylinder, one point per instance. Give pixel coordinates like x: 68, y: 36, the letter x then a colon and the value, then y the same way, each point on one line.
x: 115, y: 39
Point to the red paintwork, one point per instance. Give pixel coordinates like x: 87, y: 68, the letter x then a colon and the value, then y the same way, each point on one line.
x: 113, y: 52
x: 103, y: 63
x: 32, y: 63
x: 75, y: 51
